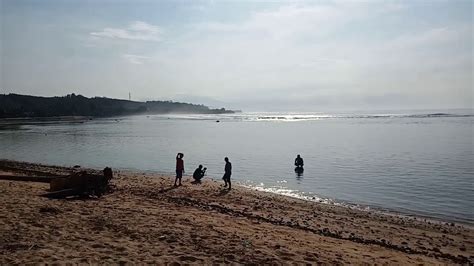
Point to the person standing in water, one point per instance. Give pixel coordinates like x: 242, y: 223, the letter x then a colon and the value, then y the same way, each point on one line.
x: 299, y: 161
x: 299, y: 166
x: 179, y: 168
x: 227, y: 172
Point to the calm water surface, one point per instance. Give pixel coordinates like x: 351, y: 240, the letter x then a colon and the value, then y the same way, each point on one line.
x: 410, y: 163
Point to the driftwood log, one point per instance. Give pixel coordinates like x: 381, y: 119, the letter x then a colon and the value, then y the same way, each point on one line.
x: 41, y: 179
x: 80, y: 184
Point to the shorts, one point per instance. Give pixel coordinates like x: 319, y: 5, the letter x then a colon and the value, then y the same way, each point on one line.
x: 179, y: 173
x: 226, y: 176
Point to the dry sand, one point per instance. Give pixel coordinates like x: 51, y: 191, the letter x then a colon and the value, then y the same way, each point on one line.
x: 147, y: 220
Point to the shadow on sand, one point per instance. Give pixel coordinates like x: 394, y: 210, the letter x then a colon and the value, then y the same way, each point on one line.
x: 164, y: 190
x: 78, y: 198
x: 222, y: 192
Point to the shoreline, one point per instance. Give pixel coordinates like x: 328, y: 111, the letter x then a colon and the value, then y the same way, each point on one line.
x: 369, y: 208
x: 240, y: 226
x: 408, y: 214
x: 319, y: 200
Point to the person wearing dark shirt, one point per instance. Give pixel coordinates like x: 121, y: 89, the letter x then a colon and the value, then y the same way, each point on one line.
x: 179, y: 168
x: 299, y: 165
x: 227, y: 172
x: 299, y: 161
x: 199, y: 174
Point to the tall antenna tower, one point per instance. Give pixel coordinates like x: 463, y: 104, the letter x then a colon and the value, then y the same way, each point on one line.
x: 129, y: 96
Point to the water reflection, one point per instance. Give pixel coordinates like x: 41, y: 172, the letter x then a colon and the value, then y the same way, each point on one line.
x: 299, y: 172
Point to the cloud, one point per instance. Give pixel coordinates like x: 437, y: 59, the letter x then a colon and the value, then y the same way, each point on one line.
x: 135, y: 59
x: 283, y: 22
x: 299, y: 19
x: 335, y: 52
x: 434, y: 36
x: 299, y: 53
x: 138, y: 30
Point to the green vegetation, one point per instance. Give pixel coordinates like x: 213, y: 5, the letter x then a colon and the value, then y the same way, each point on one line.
x: 15, y: 105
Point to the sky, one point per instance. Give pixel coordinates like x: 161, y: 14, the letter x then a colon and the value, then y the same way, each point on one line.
x: 250, y: 55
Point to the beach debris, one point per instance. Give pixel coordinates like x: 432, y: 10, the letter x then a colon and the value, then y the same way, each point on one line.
x: 49, y: 209
x: 41, y: 179
x: 82, y: 184
x: 33, y: 246
x: 246, y: 243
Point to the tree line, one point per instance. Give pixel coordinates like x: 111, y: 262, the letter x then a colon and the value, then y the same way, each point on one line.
x: 16, y: 105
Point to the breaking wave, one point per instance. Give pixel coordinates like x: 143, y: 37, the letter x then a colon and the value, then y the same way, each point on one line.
x: 293, y: 117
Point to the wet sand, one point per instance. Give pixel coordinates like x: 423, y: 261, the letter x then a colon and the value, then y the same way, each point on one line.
x: 147, y: 220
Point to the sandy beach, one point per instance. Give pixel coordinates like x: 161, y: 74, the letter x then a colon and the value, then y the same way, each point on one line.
x: 147, y: 220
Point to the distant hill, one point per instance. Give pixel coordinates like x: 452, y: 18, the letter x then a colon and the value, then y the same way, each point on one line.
x: 16, y: 105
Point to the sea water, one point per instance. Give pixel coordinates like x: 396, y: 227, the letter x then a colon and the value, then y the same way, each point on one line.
x: 417, y: 163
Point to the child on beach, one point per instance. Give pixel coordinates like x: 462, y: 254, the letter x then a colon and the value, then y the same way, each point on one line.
x: 227, y: 172
x: 179, y: 168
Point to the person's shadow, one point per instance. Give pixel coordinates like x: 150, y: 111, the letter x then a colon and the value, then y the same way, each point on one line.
x: 164, y: 190
x: 224, y: 191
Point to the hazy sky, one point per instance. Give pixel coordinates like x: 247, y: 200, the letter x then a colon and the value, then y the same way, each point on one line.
x: 262, y: 55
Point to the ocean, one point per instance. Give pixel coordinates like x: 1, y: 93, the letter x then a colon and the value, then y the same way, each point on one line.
x: 409, y: 162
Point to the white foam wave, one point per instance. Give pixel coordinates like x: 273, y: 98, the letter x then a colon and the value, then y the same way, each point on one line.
x: 294, y: 117
x: 289, y: 193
